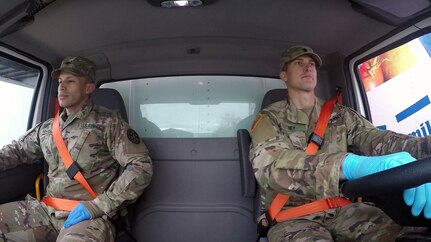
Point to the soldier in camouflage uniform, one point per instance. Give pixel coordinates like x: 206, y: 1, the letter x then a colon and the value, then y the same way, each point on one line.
x: 279, y: 139
x: 100, y: 141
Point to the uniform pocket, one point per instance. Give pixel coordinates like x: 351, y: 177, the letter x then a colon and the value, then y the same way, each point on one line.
x: 81, y: 151
x: 335, y: 139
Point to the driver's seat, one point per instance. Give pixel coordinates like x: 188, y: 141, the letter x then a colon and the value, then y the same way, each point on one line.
x: 248, y: 180
x: 386, y: 202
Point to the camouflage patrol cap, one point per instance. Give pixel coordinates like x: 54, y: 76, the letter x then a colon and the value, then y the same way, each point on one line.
x: 78, y: 66
x: 297, y: 51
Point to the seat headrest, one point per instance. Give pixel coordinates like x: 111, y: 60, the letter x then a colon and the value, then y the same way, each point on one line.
x: 273, y: 96
x: 110, y: 98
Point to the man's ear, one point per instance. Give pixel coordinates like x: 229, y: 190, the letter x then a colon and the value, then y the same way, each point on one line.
x: 283, y: 75
x: 90, y: 88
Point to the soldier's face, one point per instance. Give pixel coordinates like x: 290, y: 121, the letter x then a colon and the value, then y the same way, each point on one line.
x: 73, y: 91
x: 300, y: 74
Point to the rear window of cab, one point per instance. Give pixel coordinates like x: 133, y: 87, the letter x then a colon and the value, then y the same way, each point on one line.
x: 193, y: 106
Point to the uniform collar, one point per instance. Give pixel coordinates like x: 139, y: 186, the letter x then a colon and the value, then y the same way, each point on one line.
x: 81, y: 114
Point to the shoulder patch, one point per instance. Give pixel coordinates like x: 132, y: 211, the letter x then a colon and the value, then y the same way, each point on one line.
x: 256, y: 121
x: 133, y: 136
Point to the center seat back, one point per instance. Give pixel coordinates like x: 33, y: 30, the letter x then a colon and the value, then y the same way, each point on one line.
x: 195, y: 193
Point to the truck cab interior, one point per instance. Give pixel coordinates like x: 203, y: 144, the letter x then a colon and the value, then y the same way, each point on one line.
x: 191, y: 73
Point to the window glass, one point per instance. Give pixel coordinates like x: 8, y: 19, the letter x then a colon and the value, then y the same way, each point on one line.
x: 17, y: 87
x: 398, y: 88
x: 193, y: 106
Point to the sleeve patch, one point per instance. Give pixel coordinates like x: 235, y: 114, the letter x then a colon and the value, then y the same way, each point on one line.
x: 133, y: 136
x: 256, y: 122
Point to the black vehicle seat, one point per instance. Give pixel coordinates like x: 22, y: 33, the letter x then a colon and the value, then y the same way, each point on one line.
x: 110, y: 98
x: 195, y: 193
x: 106, y: 97
x: 397, y: 210
x: 248, y: 181
x: 273, y: 96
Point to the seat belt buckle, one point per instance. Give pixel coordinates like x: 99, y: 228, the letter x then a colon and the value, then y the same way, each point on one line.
x: 316, y: 139
x: 264, y: 224
x: 72, y: 170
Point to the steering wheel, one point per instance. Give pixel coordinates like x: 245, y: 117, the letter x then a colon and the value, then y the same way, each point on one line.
x: 386, y: 188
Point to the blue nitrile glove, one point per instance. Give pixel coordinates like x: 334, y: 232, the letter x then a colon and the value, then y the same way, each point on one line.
x: 78, y: 214
x: 356, y: 166
x: 420, y: 198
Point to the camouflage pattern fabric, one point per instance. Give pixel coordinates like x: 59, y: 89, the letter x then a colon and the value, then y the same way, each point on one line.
x: 78, y: 66
x: 98, y: 229
x: 355, y: 222
x: 297, y: 51
x: 30, y: 221
x: 100, y: 141
x: 26, y: 221
x: 280, y: 137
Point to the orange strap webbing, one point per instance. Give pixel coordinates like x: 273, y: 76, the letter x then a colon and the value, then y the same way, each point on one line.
x: 65, y: 204
x: 60, y: 204
x: 316, y: 141
x: 316, y: 138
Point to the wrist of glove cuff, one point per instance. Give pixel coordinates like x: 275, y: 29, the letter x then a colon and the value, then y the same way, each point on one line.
x: 356, y: 166
x: 92, y: 208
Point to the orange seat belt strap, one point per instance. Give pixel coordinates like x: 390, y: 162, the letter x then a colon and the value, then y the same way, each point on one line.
x: 277, y: 204
x: 71, y: 166
x: 60, y: 204
x: 310, y: 208
x: 316, y: 140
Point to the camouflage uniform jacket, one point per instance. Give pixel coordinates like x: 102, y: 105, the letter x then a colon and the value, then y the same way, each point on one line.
x: 280, y: 137
x: 99, y: 140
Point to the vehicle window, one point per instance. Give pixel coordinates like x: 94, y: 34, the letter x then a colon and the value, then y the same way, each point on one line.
x: 201, y: 106
x: 17, y: 86
x: 398, y: 88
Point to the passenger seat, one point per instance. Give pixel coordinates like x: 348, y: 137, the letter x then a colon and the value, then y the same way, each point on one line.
x: 110, y: 98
